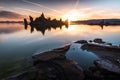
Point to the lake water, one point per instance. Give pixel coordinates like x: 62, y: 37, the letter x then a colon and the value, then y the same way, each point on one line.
x: 84, y: 59
x: 18, y: 44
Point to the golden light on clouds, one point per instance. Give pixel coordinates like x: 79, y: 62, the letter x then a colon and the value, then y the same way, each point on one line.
x: 74, y: 15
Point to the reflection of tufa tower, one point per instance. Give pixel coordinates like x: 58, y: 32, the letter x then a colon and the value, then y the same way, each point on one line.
x: 25, y: 23
x: 42, y: 24
x: 102, y: 24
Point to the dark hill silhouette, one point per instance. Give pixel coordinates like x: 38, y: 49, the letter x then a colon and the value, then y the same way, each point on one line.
x: 100, y: 22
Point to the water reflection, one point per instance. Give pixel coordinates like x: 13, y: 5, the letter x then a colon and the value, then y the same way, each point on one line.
x: 10, y: 28
x: 43, y: 28
x: 103, y: 26
x: 19, y: 44
x: 83, y: 58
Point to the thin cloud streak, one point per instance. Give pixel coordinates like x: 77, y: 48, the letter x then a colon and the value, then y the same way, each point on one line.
x: 42, y: 6
x: 76, y: 5
x: 28, y: 10
x: 33, y: 11
x: 97, y: 14
x: 10, y: 15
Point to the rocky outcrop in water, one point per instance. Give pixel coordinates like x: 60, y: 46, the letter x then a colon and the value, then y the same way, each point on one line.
x: 54, y: 65
x: 42, y: 23
x: 108, y: 67
x: 98, y: 44
x: 81, y: 41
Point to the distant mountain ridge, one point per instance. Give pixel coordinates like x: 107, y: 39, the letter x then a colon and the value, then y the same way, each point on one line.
x: 98, y: 22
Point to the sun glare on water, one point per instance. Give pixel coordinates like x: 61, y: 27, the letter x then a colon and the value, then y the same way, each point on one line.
x: 73, y: 15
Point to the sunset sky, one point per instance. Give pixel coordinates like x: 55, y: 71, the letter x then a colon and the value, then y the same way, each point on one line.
x: 71, y: 9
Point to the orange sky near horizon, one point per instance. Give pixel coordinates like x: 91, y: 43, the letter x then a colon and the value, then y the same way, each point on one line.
x: 72, y: 10
x: 73, y: 15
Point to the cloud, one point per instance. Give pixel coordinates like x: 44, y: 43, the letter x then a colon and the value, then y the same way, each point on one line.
x: 25, y: 9
x: 10, y: 15
x: 30, y: 2
x: 64, y: 0
x: 1, y: 7
x: 104, y: 14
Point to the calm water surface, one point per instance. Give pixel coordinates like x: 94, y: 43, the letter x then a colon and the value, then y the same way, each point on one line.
x: 17, y: 44
x: 84, y: 58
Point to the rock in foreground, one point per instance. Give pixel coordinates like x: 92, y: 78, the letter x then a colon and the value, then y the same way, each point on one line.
x: 52, y: 65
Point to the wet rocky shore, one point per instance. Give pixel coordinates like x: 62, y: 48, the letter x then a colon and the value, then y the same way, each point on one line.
x: 54, y: 65
x: 108, y: 66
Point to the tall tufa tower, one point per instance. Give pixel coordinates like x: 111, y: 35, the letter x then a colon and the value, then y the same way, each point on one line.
x: 42, y: 16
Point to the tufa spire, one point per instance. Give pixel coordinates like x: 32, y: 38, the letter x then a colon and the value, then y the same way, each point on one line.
x: 42, y: 15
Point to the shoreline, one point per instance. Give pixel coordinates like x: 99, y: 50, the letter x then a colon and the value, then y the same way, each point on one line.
x: 55, y: 65
x: 109, y: 52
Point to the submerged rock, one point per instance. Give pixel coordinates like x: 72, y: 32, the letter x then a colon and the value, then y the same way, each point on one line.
x: 98, y: 40
x: 81, y: 41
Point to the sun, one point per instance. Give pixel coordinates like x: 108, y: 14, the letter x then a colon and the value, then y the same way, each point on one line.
x: 73, y: 15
